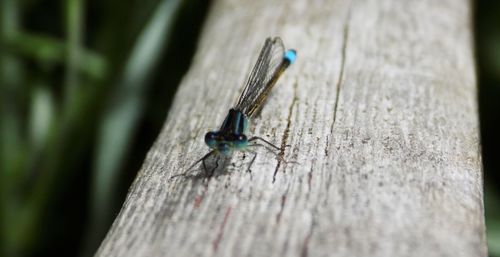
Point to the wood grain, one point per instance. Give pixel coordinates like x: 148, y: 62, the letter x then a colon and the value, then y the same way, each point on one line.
x: 379, y: 119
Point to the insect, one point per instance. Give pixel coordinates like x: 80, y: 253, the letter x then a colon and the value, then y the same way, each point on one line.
x: 273, y: 60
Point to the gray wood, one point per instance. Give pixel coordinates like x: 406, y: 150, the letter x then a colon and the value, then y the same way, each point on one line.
x: 380, y: 115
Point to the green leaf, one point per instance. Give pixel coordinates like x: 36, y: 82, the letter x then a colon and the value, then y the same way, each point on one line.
x: 48, y: 52
x: 122, y: 114
x: 41, y: 116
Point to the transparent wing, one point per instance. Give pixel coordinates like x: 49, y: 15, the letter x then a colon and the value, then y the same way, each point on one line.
x: 262, y: 77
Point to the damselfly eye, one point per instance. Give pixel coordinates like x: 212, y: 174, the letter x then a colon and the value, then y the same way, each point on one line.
x: 210, y: 139
x: 240, y: 141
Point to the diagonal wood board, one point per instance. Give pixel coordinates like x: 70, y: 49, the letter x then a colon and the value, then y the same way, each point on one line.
x: 379, y: 121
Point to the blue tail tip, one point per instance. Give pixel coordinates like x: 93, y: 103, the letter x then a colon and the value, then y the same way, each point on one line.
x: 291, y: 55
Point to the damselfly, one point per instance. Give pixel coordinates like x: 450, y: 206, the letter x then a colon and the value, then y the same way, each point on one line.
x: 272, y: 62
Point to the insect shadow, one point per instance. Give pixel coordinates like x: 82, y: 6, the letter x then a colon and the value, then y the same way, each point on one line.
x: 215, y: 165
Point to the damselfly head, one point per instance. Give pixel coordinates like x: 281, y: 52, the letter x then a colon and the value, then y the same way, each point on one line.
x: 225, y: 143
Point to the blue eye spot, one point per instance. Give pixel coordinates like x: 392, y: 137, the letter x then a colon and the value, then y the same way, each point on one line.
x: 240, y: 142
x: 210, y: 139
x: 290, y: 55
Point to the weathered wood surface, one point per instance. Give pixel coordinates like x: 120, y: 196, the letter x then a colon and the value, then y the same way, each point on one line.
x: 381, y: 117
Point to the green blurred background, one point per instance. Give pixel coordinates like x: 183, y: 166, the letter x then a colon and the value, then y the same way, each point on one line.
x: 487, y: 36
x: 84, y: 90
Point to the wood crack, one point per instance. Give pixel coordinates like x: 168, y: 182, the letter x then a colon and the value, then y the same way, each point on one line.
x: 217, y: 240
x: 305, y: 246
x: 283, y: 201
x: 340, y: 79
x: 286, y: 133
x: 342, y: 66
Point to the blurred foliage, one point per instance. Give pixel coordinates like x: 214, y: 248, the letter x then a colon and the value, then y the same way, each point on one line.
x: 84, y: 89
x: 487, y: 27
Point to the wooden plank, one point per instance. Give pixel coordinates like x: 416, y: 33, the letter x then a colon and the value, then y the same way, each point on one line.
x: 380, y: 114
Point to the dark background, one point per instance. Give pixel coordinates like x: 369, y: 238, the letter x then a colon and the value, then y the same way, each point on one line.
x: 62, y: 179
x: 487, y: 35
